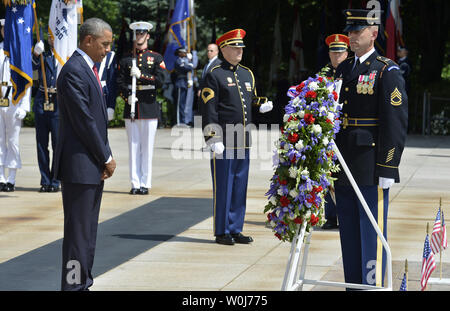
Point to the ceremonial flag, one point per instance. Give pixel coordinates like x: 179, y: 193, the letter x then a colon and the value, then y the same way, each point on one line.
x: 404, y: 285
x: 296, y: 61
x: 18, y: 42
x: 439, y: 235
x: 177, y: 32
x: 393, y: 29
x: 62, y: 27
x: 428, y: 264
x: 277, y: 52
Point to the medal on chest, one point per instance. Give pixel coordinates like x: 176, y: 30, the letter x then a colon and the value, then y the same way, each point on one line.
x: 372, y: 76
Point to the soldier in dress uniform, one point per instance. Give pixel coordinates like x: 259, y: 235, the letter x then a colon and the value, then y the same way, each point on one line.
x: 149, y: 73
x: 372, y: 137
x: 46, y: 114
x: 11, y: 116
x: 227, y: 95
x: 338, y: 52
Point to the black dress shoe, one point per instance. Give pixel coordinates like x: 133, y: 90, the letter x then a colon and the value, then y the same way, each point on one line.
x: 2, y: 186
x: 53, y: 189
x: 143, y: 190
x: 44, y: 188
x: 135, y: 191
x: 330, y: 224
x: 225, y: 239
x: 9, y: 187
x: 241, y: 239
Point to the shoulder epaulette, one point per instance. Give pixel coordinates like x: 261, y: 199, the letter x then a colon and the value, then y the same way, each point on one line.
x: 387, y: 61
x: 215, y: 67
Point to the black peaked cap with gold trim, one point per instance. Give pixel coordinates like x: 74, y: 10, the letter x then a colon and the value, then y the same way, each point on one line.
x: 357, y: 19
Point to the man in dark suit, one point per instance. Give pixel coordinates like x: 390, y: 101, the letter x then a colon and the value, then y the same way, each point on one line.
x: 374, y: 124
x: 213, y: 61
x: 83, y: 157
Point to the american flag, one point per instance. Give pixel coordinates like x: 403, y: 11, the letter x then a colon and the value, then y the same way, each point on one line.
x: 428, y: 264
x: 439, y: 234
x: 404, y: 285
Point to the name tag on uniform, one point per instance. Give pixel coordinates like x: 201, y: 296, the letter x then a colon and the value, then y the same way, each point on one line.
x: 4, y: 102
x: 248, y: 86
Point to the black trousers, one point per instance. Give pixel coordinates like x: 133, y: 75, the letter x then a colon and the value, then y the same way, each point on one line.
x: 81, y: 203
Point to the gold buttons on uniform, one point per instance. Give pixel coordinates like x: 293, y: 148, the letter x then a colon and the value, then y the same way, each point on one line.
x: 345, y: 102
x: 346, y: 89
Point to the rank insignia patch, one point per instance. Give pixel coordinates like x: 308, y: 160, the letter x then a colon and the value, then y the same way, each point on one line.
x: 396, y: 98
x: 207, y: 94
x: 248, y: 86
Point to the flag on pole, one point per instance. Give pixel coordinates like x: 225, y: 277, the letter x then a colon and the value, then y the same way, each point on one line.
x: 296, y: 61
x: 18, y: 42
x: 177, y: 32
x: 277, y: 52
x: 439, y: 234
x: 428, y: 264
x: 63, y: 28
x: 393, y: 29
x: 404, y: 285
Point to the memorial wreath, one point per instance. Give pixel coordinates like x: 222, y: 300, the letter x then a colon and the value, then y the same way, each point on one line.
x: 304, y: 159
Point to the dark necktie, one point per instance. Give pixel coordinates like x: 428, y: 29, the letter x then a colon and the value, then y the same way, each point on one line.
x: 98, y: 79
x: 356, y: 65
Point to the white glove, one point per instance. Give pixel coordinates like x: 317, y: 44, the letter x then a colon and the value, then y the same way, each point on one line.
x: 110, y: 113
x: 20, y: 114
x: 189, y: 56
x: 217, y: 148
x: 39, y: 48
x: 266, y: 107
x: 129, y: 99
x: 190, y: 83
x: 135, y: 72
x: 385, y: 183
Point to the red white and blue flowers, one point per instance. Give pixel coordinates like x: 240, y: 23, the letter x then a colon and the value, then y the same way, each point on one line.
x: 304, y: 157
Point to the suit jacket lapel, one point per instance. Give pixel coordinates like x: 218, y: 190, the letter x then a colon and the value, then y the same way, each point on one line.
x: 94, y: 81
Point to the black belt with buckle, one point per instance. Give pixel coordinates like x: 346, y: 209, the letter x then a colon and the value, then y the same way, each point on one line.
x: 346, y: 121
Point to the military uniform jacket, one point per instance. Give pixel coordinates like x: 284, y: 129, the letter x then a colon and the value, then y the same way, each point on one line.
x: 50, y: 76
x: 227, y: 96
x: 151, y: 65
x: 331, y: 71
x: 374, y: 119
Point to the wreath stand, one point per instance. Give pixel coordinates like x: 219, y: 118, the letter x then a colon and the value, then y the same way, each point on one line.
x: 294, y: 277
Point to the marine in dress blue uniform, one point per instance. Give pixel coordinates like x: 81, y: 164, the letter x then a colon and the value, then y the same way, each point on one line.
x: 46, y: 115
x: 338, y: 52
x: 227, y: 97
x: 372, y: 137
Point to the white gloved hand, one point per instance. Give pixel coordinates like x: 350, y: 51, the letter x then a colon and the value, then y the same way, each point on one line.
x: 385, y: 183
x: 110, y: 113
x: 39, y: 48
x: 190, y: 83
x: 217, y: 148
x: 189, y: 56
x: 129, y: 99
x: 135, y: 72
x: 20, y: 114
x: 266, y: 107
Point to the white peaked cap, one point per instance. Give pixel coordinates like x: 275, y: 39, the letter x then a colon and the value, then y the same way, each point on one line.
x: 141, y: 26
